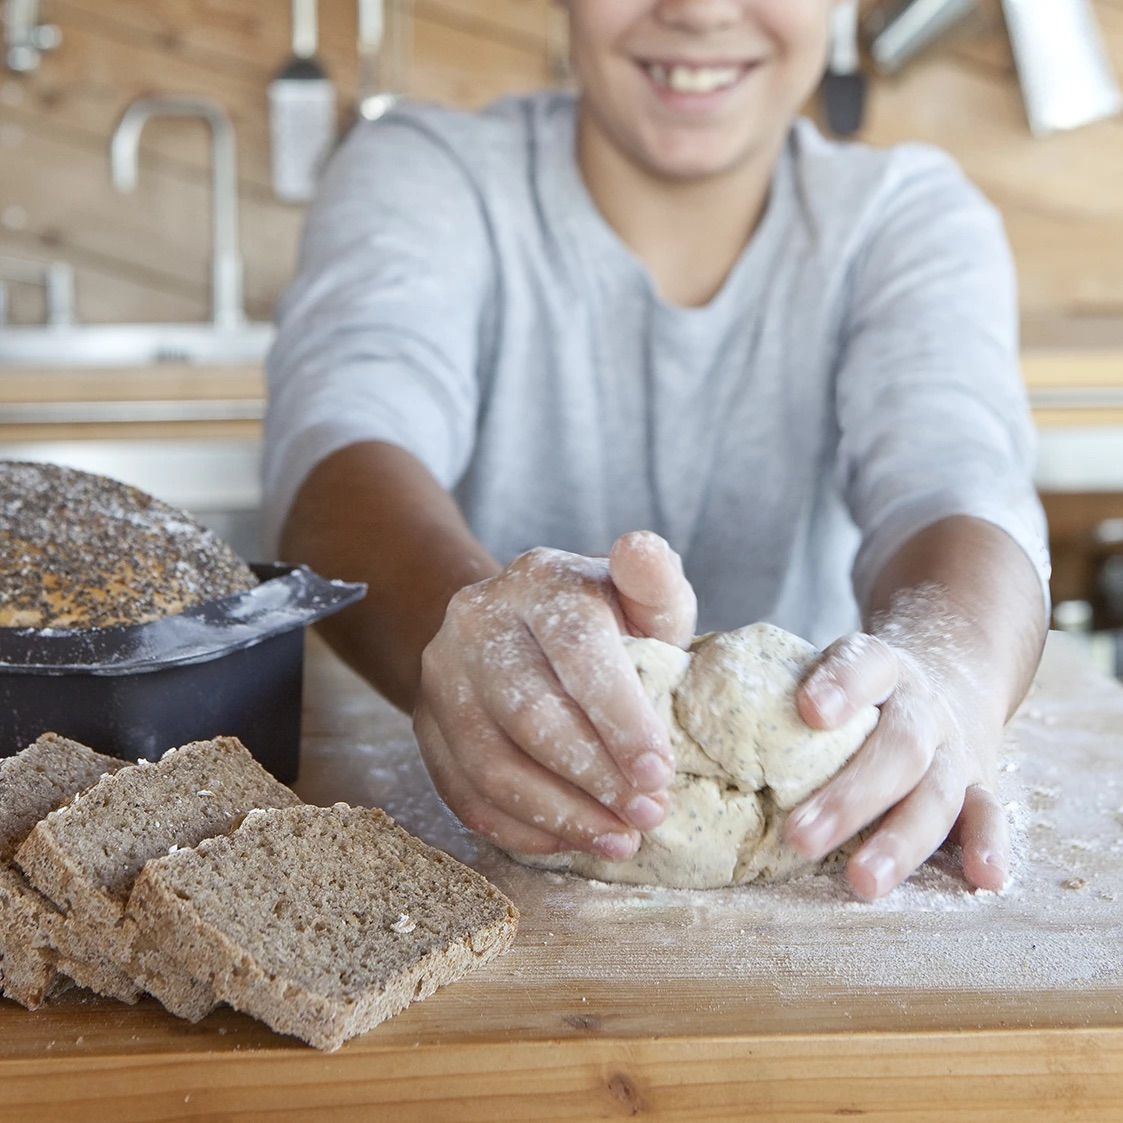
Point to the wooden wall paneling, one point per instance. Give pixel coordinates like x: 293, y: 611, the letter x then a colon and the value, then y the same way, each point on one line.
x: 525, y: 18
x: 256, y: 38
x: 87, y: 85
x: 103, y: 64
x: 161, y: 233
x: 1059, y: 195
x: 146, y: 256
x: 55, y: 127
x: 108, y: 290
x: 453, y: 66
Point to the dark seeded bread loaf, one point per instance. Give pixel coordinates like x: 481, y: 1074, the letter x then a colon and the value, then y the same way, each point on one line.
x: 33, y: 783
x: 85, y: 856
x: 82, y: 551
x: 322, y: 922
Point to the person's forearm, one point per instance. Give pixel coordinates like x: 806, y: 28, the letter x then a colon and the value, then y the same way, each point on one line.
x: 962, y: 595
x: 372, y: 512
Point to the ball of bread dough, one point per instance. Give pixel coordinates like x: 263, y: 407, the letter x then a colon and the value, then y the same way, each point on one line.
x: 743, y: 759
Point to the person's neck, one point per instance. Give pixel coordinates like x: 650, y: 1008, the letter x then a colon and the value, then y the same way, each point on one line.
x: 689, y: 234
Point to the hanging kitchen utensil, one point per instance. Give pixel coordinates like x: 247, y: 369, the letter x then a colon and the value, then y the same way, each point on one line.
x: 901, y: 29
x: 302, y: 120
x: 1062, y: 64
x: 385, y: 47
x: 844, y: 85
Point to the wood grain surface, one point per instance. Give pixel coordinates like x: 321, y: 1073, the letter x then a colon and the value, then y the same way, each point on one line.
x: 792, y: 1003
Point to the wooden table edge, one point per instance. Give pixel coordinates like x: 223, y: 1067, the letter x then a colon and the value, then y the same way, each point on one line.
x: 992, y: 1074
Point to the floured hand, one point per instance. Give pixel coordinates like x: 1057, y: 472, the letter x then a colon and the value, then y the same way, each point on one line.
x: 531, y: 719
x: 928, y: 767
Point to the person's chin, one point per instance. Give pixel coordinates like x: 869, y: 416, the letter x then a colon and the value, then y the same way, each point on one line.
x: 695, y: 162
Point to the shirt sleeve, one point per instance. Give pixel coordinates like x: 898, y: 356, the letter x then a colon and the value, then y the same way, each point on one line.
x: 378, y: 337
x: 933, y: 413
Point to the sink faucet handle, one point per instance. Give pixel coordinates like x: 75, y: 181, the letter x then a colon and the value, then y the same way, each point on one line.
x: 56, y: 278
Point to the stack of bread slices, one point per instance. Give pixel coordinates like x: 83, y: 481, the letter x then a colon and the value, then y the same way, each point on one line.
x: 200, y: 879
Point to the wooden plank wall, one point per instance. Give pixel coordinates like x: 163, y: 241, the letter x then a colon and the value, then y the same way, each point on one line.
x: 144, y: 257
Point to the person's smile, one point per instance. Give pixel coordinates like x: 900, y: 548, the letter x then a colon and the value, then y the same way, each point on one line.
x: 694, y: 86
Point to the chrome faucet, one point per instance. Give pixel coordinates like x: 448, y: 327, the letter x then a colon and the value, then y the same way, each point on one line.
x: 226, y: 261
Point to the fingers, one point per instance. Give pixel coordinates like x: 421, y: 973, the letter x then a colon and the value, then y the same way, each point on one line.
x: 655, y: 596
x: 985, y: 839
x: 590, y: 662
x: 856, y: 671
x: 884, y: 770
x: 547, y: 725
x: 909, y: 834
x: 532, y: 717
x: 465, y: 803
x: 492, y: 785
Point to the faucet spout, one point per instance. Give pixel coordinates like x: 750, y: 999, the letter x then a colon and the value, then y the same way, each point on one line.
x: 226, y: 260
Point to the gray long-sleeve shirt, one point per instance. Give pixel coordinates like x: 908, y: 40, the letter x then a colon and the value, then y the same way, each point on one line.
x: 855, y: 379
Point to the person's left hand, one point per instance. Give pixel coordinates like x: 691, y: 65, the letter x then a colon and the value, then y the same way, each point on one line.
x: 928, y: 766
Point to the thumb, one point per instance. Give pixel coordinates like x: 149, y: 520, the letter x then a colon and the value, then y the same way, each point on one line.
x: 655, y: 596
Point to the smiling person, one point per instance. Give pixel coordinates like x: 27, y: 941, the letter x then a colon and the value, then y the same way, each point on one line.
x: 584, y: 366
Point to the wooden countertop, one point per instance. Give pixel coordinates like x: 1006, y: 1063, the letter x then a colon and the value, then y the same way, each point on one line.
x: 226, y: 402
x: 792, y: 1003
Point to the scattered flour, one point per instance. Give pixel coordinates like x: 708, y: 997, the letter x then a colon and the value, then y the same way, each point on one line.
x: 1041, y: 941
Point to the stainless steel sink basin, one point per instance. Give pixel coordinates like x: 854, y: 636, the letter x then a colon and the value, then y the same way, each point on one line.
x: 128, y: 345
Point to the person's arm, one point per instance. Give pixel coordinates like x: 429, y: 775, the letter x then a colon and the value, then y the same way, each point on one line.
x: 935, y: 462
x: 955, y: 624
x: 372, y: 512
x: 528, y: 714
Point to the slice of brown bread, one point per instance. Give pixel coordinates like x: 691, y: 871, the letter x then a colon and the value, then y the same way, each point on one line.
x: 321, y: 921
x: 33, y: 783
x: 85, y: 856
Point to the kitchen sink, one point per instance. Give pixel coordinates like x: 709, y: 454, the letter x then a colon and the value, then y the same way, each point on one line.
x: 128, y: 345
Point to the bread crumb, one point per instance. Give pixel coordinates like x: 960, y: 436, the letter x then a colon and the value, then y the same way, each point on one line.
x: 1074, y: 883
x: 404, y: 924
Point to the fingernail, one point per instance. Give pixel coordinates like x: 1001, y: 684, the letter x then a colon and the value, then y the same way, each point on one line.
x: 882, y: 869
x: 829, y: 700
x: 804, y: 817
x: 814, y: 836
x: 643, y: 812
x: 652, y: 771
x: 615, y: 847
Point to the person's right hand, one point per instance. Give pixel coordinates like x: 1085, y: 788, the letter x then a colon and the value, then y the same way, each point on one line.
x: 531, y: 718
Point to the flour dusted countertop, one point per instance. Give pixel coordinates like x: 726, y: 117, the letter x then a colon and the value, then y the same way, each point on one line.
x: 795, y: 1002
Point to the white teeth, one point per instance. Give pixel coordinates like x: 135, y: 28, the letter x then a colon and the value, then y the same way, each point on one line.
x: 693, y: 79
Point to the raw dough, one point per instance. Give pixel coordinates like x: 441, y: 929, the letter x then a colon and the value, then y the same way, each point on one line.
x: 743, y: 757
